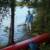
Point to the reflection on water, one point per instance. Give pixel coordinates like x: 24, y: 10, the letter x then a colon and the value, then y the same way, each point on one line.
x: 19, y: 33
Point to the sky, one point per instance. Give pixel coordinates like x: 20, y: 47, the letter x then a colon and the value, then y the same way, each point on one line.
x: 19, y: 0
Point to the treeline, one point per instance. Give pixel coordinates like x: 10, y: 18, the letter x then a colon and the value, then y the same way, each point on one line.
x: 42, y: 23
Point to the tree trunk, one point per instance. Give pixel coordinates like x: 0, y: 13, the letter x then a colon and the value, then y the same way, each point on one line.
x: 11, y: 34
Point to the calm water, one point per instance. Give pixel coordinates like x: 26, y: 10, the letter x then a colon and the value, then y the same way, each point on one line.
x: 20, y: 16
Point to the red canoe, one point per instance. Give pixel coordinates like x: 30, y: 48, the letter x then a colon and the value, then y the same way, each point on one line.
x: 38, y: 39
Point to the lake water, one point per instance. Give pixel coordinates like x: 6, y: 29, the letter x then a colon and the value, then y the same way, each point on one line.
x: 20, y: 16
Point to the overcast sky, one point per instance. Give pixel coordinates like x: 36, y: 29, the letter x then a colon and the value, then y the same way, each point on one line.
x: 19, y: 0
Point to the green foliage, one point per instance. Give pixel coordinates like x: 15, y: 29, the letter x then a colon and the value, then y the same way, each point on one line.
x: 36, y: 25
x: 6, y: 29
x: 42, y: 23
